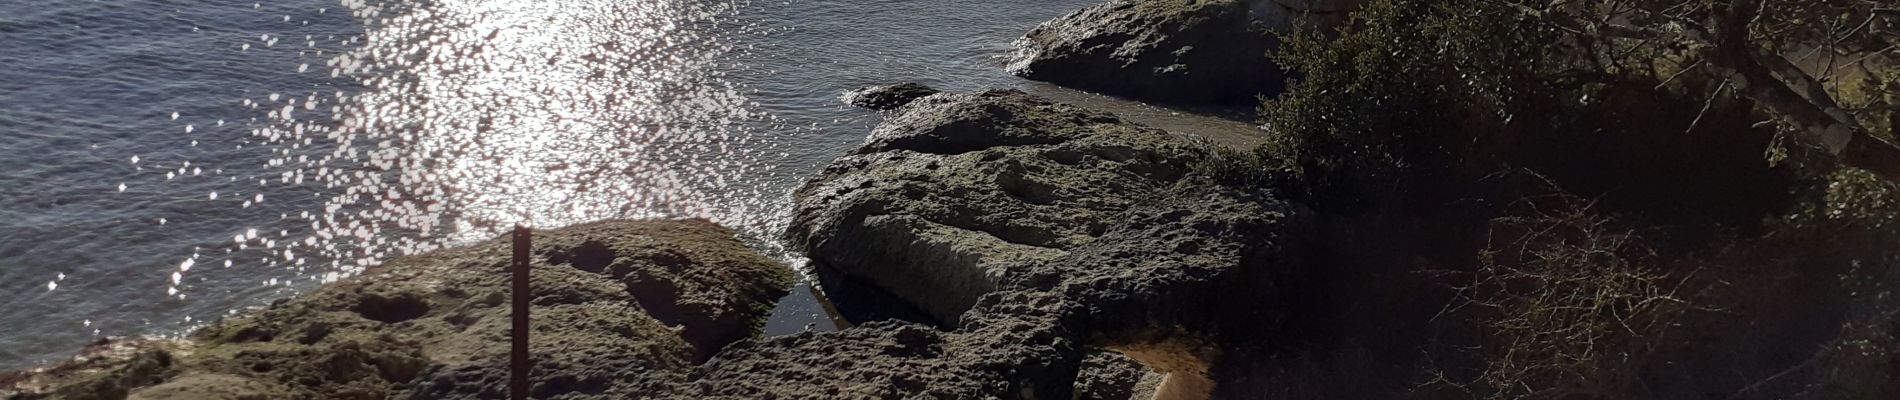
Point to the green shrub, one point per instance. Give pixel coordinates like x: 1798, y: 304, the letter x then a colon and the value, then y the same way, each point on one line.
x: 1255, y: 168
x: 1413, y: 92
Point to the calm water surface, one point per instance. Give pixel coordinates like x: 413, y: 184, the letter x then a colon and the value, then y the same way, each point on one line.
x: 164, y: 163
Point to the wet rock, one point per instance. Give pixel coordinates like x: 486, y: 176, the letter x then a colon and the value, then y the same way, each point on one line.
x: 889, y: 97
x: 1186, y: 52
x: 616, y: 305
x: 110, y: 368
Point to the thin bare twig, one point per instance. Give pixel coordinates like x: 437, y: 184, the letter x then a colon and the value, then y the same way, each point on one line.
x: 1706, y: 105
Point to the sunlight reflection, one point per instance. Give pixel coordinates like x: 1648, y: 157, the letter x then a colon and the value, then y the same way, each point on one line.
x: 477, y: 115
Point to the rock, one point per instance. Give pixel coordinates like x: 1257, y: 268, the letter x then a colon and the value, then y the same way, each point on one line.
x: 212, y: 387
x: 1017, y: 348
x: 888, y: 97
x: 1109, y: 376
x: 109, y: 368
x: 1038, y: 231
x: 1039, y: 235
x: 950, y: 196
x: 617, y: 305
x: 1184, y: 52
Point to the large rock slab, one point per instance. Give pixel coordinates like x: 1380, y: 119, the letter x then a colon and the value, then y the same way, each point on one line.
x: 1186, y: 52
x: 1038, y: 231
x: 617, y: 305
x: 957, y: 193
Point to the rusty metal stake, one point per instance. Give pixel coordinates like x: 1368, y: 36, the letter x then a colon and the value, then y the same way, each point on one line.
x: 518, y: 360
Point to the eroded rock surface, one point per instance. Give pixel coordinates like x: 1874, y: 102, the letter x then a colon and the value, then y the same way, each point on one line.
x: 1189, y: 52
x: 1014, y: 219
x: 952, y: 197
x: 617, y: 305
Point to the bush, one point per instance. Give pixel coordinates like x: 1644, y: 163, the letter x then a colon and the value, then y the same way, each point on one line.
x: 1861, y: 201
x: 1420, y: 118
x: 1860, y: 215
x: 1418, y: 103
x: 1256, y: 168
x: 1566, y: 307
x: 1409, y: 94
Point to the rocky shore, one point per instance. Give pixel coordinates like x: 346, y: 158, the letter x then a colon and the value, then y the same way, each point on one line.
x: 617, y: 305
x: 1046, y: 244
x: 1047, y: 252
x: 1000, y: 245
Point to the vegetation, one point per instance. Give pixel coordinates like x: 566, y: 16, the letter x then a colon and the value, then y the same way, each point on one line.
x: 1619, y: 198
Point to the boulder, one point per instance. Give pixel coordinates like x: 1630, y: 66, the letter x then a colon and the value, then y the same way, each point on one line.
x: 958, y: 193
x: 887, y: 97
x: 1182, y: 52
x: 1036, y: 231
x: 617, y: 305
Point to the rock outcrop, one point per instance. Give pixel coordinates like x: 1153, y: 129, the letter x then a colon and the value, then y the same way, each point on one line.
x: 617, y: 306
x: 1184, y: 52
x: 1039, y: 231
x: 1059, y: 253
x: 1180, y: 52
x: 961, y: 192
x: 888, y: 97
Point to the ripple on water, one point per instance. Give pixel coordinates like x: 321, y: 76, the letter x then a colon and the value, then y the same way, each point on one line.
x: 384, y: 128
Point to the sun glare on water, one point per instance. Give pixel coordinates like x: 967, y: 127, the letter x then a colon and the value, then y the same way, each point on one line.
x: 467, y: 117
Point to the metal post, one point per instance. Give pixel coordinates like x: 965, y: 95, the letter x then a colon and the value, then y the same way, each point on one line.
x: 518, y: 361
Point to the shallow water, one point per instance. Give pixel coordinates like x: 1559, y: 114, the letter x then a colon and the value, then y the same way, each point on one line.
x: 168, y: 162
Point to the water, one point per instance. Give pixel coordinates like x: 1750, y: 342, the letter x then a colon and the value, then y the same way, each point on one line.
x: 169, y: 162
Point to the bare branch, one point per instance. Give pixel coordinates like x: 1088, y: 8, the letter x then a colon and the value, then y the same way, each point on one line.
x: 1706, y: 106
x: 1767, y: 78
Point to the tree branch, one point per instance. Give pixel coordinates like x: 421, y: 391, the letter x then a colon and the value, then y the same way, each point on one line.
x: 1768, y: 79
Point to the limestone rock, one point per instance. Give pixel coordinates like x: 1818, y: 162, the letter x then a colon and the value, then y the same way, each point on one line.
x: 1110, y: 376
x: 109, y: 368
x: 1038, y: 231
x: 888, y: 97
x: 617, y: 305
x: 949, y: 197
x: 1187, y: 52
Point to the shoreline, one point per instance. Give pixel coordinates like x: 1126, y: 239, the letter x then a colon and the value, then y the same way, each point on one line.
x: 195, y: 366
x: 1388, y: 240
